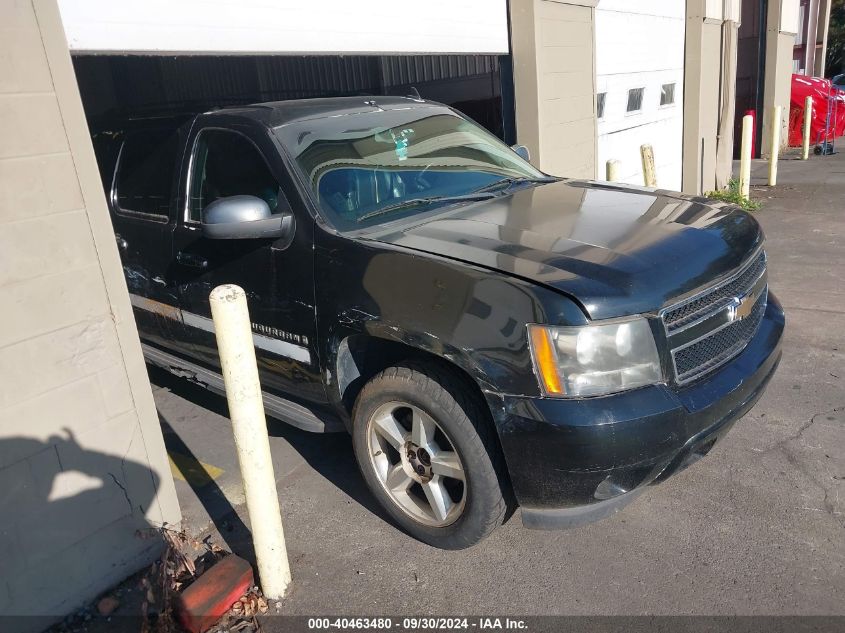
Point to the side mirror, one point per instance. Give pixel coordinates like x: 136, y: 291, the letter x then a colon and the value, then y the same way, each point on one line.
x: 522, y: 152
x: 243, y: 217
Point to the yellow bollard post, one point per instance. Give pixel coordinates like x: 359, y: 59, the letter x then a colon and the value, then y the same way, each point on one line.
x: 773, y: 159
x: 745, y: 156
x: 246, y: 409
x: 649, y: 173
x: 808, y: 114
x: 612, y: 171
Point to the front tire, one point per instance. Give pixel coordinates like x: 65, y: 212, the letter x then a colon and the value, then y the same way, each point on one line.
x: 428, y: 454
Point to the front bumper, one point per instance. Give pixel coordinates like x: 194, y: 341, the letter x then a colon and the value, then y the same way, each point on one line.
x: 580, y: 460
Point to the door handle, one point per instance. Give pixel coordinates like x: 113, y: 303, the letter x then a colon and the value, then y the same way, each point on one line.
x: 191, y: 260
x: 122, y: 244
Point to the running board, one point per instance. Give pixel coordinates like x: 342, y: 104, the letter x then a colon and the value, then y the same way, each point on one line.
x: 285, y: 410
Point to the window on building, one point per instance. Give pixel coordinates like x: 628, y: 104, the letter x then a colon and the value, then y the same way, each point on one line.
x: 635, y: 99
x: 667, y: 94
x: 228, y: 164
x: 600, y: 98
x: 144, y: 182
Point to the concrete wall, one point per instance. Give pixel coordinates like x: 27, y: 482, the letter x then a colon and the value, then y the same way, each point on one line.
x: 554, y: 84
x: 709, y: 94
x: 641, y: 45
x: 703, y: 61
x: 287, y: 26
x: 82, y: 460
x: 781, y: 26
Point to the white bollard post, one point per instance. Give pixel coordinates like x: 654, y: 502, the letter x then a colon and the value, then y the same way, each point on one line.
x: 246, y: 409
x: 649, y: 173
x: 773, y: 159
x: 745, y: 156
x: 808, y: 114
x: 612, y: 171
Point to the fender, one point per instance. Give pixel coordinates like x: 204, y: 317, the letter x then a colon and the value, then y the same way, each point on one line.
x: 402, y: 300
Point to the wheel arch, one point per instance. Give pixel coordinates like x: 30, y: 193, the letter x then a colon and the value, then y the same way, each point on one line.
x: 361, y: 356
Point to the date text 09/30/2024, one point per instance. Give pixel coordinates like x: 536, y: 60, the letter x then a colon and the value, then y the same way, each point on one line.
x: 416, y: 624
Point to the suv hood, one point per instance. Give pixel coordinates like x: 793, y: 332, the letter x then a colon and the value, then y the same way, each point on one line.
x: 616, y: 249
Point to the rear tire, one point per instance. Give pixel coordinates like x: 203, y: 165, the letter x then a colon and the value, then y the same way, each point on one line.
x: 427, y: 452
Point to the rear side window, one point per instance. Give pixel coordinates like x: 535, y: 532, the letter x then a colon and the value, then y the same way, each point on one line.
x: 144, y: 182
x: 106, y: 149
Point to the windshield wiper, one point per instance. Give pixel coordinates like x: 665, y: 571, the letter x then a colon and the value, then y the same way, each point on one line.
x: 413, y: 202
x: 506, y: 183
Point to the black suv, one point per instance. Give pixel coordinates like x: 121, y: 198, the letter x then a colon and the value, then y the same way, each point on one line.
x: 486, y: 332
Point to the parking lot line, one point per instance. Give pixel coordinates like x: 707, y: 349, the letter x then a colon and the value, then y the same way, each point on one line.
x: 196, y: 473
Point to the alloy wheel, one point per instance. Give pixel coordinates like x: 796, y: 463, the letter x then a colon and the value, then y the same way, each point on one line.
x: 416, y: 463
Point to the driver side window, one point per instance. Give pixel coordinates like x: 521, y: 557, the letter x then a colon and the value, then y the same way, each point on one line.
x: 227, y: 164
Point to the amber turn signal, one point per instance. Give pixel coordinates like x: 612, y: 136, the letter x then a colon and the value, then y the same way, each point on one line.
x: 544, y: 357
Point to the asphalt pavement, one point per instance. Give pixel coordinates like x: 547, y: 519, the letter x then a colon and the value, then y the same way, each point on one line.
x: 757, y: 527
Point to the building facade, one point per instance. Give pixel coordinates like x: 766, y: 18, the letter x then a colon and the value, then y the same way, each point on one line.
x: 661, y: 73
x: 640, y: 87
x: 776, y: 38
x: 148, y: 59
x: 579, y: 82
x: 809, y: 51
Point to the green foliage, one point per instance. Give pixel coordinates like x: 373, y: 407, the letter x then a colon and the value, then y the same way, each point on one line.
x: 731, y: 195
x: 835, y: 63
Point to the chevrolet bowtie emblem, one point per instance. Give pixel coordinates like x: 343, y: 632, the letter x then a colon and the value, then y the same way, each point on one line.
x: 741, y: 307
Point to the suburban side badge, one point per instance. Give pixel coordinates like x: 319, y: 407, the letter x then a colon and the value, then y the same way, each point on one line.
x: 299, y: 339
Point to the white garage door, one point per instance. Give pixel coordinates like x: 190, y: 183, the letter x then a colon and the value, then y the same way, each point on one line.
x: 640, y: 72
x: 286, y: 26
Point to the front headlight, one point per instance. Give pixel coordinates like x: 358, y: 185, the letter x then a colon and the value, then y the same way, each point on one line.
x: 596, y: 359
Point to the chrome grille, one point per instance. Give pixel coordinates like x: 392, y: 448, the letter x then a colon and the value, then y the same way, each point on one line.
x: 712, y: 351
x: 708, y: 329
x: 689, y: 311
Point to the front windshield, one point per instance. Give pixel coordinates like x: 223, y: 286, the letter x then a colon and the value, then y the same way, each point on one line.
x: 375, y: 167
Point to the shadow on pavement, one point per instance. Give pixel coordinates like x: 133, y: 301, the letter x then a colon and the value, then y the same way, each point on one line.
x: 232, y: 529
x: 329, y: 454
